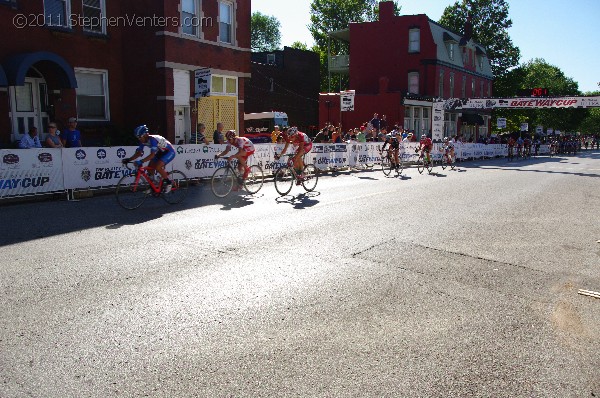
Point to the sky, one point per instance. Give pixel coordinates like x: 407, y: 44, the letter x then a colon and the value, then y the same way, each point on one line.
x: 563, y: 32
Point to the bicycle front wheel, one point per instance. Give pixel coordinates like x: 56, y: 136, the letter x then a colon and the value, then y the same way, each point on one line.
x: 311, y: 177
x: 179, y: 188
x: 444, y: 162
x: 255, y: 180
x: 222, y: 181
x: 131, y: 193
x: 386, y: 165
x: 284, y: 180
x: 421, y: 166
x: 429, y: 166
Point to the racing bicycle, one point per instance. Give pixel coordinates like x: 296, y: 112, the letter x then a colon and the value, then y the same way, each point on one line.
x: 227, y: 177
x: 422, y: 164
x: 388, y: 164
x: 445, y: 163
x: 286, y: 175
x: 136, y: 185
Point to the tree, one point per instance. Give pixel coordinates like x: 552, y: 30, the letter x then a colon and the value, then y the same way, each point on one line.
x: 298, y: 45
x: 331, y: 15
x: 490, y: 29
x: 264, y: 32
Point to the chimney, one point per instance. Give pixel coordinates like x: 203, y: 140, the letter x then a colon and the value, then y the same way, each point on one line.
x: 469, y: 27
x: 386, y: 11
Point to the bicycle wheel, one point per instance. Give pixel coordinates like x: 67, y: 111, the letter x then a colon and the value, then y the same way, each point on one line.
x: 421, y: 165
x: 311, y: 177
x: 131, y: 194
x: 255, y: 180
x: 284, y: 180
x: 400, y: 166
x: 386, y: 165
x: 444, y: 162
x: 222, y: 181
x: 179, y: 188
x: 429, y: 166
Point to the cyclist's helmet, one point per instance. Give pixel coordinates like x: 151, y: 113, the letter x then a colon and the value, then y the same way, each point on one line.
x: 445, y: 138
x: 140, y: 130
x: 423, y: 136
x: 292, y: 131
x: 230, y: 134
x: 388, y: 136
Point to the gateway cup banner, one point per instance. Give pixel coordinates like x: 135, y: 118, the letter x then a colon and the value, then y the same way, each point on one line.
x: 30, y: 171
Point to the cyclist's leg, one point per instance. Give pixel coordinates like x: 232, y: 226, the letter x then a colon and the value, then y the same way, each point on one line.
x: 298, y: 161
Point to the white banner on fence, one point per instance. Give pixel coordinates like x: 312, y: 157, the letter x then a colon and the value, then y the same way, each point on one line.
x: 94, y: 167
x: 30, y: 171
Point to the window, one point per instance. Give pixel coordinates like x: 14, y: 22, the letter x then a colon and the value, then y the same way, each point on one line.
x: 449, y: 124
x: 414, y: 39
x: 489, y: 89
x: 56, y: 12
x: 271, y: 59
x: 480, y: 61
x: 472, y: 87
x: 92, y: 94
x: 481, y: 88
x: 189, y: 17
x: 224, y: 85
x: 441, y: 85
x: 464, y: 87
x: 451, y: 85
x: 413, y: 82
x: 94, y: 14
x: 451, y: 46
x: 226, y: 22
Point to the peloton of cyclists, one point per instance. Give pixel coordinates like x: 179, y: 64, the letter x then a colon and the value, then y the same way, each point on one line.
x: 161, y: 153
x: 302, y: 144
x: 425, y: 146
x: 245, y: 149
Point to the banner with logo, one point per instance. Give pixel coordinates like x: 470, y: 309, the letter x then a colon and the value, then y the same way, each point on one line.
x: 347, y: 100
x: 437, y: 126
x: 30, y: 171
x: 94, y: 167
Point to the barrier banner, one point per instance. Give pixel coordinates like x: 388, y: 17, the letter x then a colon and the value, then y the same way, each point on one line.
x: 94, y: 167
x: 30, y: 171
x: 363, y: 153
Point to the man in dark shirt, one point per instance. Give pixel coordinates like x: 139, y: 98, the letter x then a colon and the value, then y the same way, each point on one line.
x: 376, y: 123
x: 218, y: 136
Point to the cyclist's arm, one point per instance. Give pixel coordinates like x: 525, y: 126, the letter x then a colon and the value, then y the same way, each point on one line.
x: 285, y: 147
x: 225, y: 152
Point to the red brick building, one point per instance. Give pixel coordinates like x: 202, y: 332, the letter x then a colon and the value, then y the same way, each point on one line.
x: 399, y: 64
x: 117, y: 64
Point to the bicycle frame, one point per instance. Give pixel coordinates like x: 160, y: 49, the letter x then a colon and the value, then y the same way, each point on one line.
x: 143, y: 172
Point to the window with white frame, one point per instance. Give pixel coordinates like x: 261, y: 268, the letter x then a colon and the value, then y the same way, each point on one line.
x: 226, y: 22
x: 449, y: 124
x: 94, y: 13
x: 441, y: 85
x: 483, y: 129
x: 480, y: 61
x: 57, y: 12
x: 414, y: 40
x: 413, y: 82
x: 451, y: 85
x: 464, y: 87
x: 451, y: 47
x: 224, y: 85
x: 189, y: 17
x: 92, y: 94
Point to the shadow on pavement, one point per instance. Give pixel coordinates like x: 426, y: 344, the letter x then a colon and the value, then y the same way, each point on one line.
x: 301, y: 201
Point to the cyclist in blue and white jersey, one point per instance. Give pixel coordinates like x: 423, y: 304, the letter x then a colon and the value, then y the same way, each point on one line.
x: 161, y: 153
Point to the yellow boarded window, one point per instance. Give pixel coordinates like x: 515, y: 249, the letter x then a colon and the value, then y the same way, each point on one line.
x: 217, y: 84
x: 231, y: 86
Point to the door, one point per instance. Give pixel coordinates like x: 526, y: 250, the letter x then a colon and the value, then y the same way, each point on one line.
x: 181, y: 125
x: 29, y: 107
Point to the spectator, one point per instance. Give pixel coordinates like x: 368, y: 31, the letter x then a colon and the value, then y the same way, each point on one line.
x: 383, y: 122
x: 375, y: 122
x: 218, y: 136
x: 322, y: 136
x: 200, y: 136
x: 275, y: 133
x: 407, y: 137
x: 360, y: 134
x: 71, y: 138
x: 30, y: 140
x: 53, y: 140
x: 336, y: 136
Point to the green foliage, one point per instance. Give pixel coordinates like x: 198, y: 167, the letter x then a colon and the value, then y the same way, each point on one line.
x: 264, y: 32
x: 298, y: 45
x: 490, y: 29
x: 331, y: 15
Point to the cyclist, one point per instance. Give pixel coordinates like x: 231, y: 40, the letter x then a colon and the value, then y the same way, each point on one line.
x: 520, y: 146
x: 302, y: 144
x: 449, y: 150
x: 527, y: 147
x: 392, y: 140
x: 245, y: 149
x: 161, y: 153
x: 425, y: 146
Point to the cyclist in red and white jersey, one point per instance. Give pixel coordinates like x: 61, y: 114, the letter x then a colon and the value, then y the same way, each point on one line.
x: 425, y: 146
x: 245, y: 149
x: 302, y: 144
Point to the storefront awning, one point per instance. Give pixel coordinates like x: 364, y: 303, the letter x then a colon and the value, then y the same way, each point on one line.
x: 3, y: 80
x: 472, y: 119
x: 16, y: 68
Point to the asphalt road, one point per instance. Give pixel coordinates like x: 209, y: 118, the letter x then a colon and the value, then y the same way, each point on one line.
x: 456, y: 284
